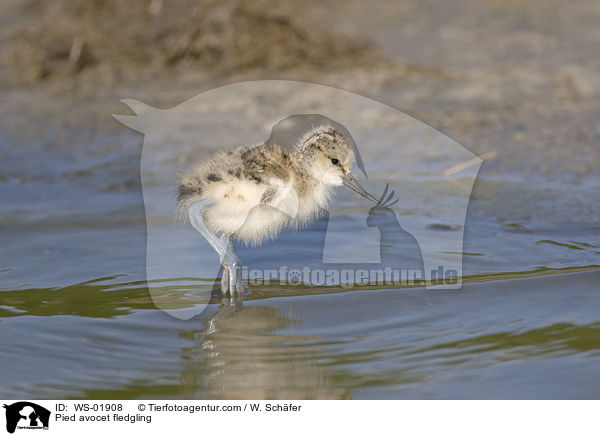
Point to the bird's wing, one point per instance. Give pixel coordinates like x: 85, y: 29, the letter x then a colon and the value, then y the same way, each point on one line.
x: 266, y: 161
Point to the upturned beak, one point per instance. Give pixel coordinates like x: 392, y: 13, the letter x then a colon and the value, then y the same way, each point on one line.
x: 353, y: 184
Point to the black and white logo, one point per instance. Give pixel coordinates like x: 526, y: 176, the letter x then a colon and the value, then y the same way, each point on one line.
x: 26, y: 415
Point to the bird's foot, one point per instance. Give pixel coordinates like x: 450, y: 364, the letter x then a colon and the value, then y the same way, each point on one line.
x: 231, y: 280
x: 232, y: 301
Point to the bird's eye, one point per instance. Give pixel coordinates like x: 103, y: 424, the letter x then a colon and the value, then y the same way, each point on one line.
x: 335, y: 161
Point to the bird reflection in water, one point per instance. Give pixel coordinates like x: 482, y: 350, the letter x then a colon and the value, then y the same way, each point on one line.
x: 241, y: 354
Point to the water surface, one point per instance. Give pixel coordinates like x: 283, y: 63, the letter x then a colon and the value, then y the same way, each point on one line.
x: 77, y: 319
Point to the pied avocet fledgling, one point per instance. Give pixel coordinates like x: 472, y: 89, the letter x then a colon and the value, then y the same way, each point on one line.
x: 251, y: 193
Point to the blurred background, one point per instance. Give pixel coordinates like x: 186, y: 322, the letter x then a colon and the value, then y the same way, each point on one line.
x: 518, y: 77
x: 518, y: 80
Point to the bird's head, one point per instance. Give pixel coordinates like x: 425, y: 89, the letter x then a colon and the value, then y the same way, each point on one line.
x: 327, y: 155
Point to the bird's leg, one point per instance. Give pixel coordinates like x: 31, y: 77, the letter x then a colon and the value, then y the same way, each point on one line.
x: 231, y: 280
x: 233, y: 267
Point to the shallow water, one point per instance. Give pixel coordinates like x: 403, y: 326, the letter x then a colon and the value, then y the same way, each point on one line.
x: 78, y: 320
x: 520, y: 338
